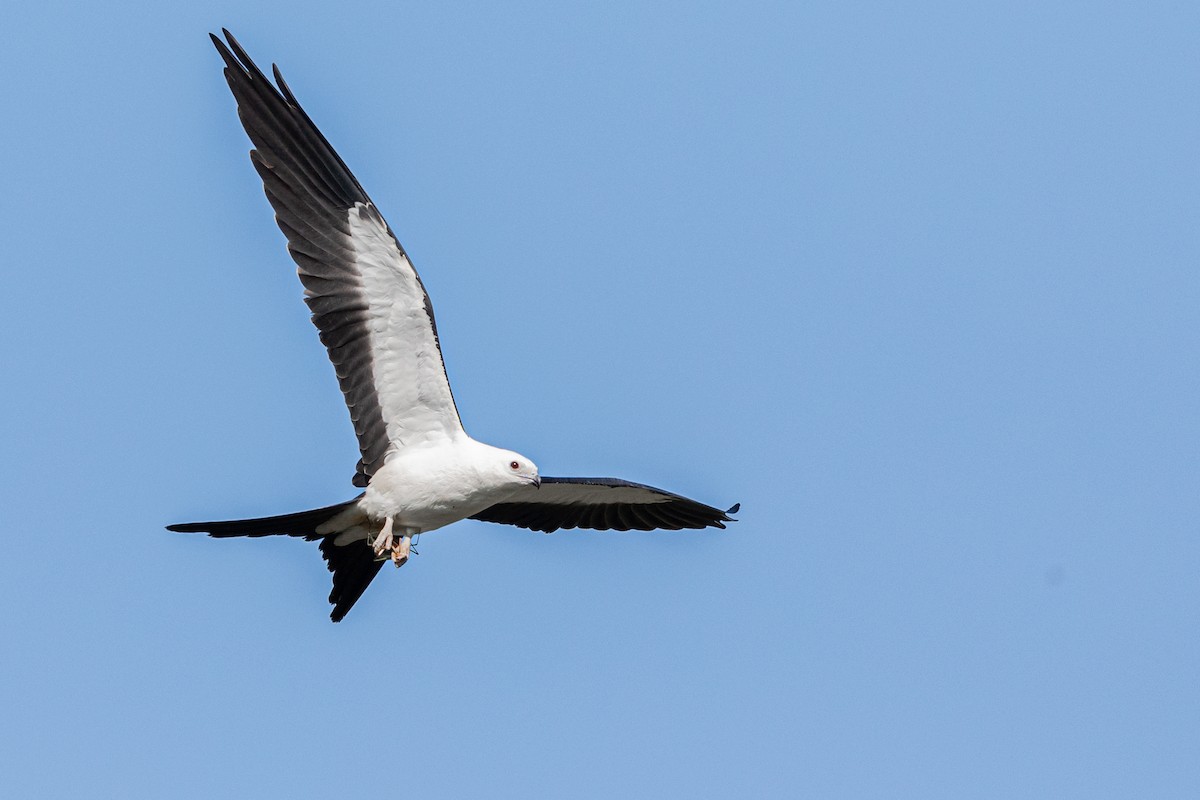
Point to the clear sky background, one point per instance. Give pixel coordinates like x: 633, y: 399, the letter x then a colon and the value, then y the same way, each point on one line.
x: 915, y: 283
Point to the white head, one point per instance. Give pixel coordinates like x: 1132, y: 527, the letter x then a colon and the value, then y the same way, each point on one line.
x: 511, y: 468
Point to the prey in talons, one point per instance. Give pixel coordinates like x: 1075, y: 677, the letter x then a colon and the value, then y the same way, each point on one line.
x: 396, y: 539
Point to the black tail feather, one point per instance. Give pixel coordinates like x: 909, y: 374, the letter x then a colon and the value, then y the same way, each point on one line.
x: 353, y: 565
x: 302, y: 524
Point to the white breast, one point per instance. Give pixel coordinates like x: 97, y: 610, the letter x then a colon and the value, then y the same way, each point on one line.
x: 429, y: 487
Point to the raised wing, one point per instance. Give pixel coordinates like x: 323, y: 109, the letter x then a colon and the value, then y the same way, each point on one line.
x: 367, y: 301
x: 603, y: 504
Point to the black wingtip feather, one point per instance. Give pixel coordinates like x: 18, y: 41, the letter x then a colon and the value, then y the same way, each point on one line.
x: 284, y: 89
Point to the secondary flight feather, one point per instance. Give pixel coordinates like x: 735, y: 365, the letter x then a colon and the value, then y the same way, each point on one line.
x: 419, y: 468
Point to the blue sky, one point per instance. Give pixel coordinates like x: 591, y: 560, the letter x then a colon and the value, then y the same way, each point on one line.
x: 916, y: 284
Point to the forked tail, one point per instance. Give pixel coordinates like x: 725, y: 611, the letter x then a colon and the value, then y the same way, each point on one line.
x: 353, y: 565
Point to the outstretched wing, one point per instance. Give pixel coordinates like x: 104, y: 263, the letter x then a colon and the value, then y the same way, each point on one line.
x: 602, y: 504
x: 367, y: 301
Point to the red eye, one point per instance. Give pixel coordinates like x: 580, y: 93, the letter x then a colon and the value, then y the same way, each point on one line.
x: 515, y: 465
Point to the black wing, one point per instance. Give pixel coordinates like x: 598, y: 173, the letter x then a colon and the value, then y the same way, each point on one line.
x: 603, y: 504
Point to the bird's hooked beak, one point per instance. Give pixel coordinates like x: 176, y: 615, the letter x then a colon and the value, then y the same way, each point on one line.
x: 536, y: 481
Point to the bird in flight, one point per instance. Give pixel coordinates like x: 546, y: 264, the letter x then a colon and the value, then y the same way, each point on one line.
x: 418, y: 468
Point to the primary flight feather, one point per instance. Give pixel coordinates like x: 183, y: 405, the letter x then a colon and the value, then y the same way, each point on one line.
x: 419, y: 468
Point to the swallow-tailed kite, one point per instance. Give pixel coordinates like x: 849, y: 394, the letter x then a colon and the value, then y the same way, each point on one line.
x: 419, y: 468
